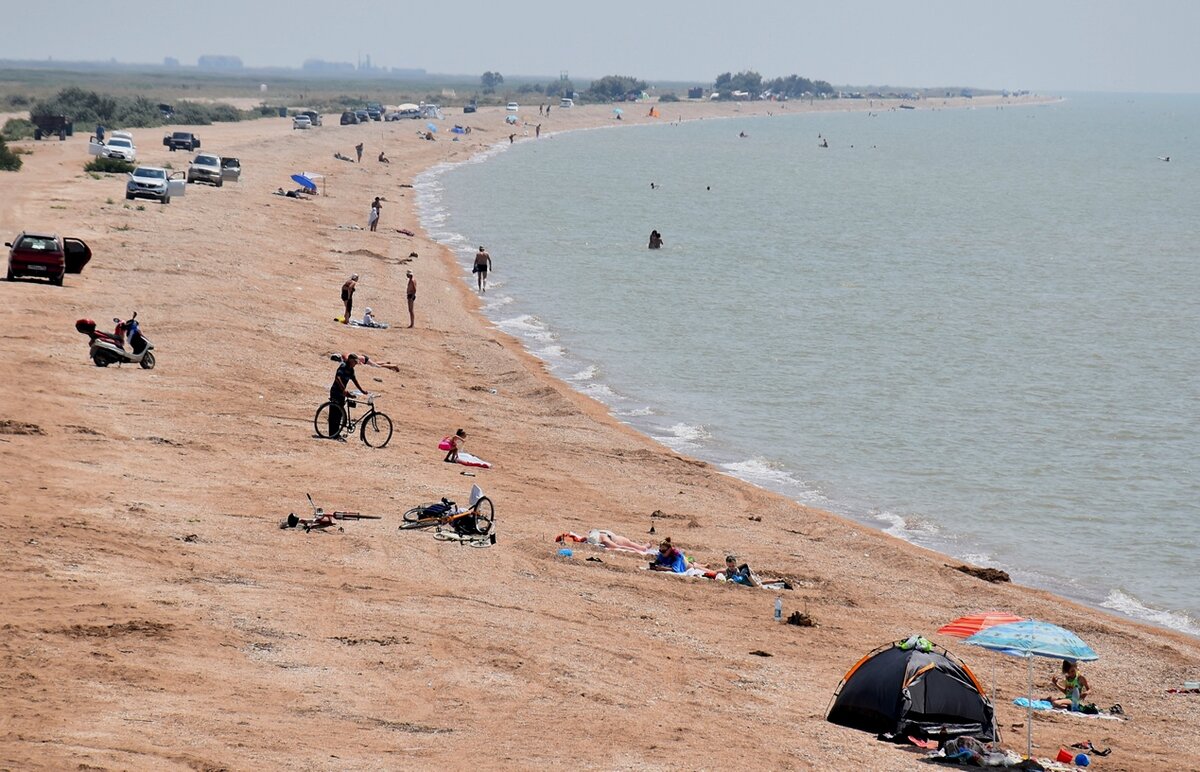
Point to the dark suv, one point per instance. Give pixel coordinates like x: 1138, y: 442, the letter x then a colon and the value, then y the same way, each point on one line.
x: 349, y: 118
x: 46, y: 256
x: 182, y: 140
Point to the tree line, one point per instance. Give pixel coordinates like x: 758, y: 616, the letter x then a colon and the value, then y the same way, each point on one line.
x: 614, y: 88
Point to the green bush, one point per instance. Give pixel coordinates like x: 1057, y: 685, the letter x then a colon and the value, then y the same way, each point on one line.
x: 9, y: 162
x: 88, y: 108
x: 17, y: 128
x: 108, y: 165
x: 668, y: 97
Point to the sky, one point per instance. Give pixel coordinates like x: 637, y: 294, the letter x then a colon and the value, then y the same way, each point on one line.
x: 1040, y: 45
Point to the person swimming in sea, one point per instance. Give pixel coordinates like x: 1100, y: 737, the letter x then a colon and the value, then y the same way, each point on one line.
x: 656, y: 241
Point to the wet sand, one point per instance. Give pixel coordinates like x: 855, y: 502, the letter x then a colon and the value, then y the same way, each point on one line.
x: 155, y: 616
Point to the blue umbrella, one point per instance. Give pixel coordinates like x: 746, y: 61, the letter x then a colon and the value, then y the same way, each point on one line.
x: 431, y: 127
x: 1030, y: 639
x: 304, y: 182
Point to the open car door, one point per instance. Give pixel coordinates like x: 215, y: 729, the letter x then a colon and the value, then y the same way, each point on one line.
x: 77, y: 254
x: 94, y: 147
x: 231, y: 169
x: 177, y: 184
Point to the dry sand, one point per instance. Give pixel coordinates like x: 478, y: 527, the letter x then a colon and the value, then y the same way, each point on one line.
x: 154, y: 616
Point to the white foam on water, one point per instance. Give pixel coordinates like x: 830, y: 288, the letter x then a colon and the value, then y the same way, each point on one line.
x: 549, y: 352
x: 599, y: 391
x: 586, y: 374
x: 682, y: 436
x: 637, y: 412
x: 1128, y: 605
x: 761, y: 470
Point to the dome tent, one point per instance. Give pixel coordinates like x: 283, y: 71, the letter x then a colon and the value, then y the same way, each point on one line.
x: 912, y: 688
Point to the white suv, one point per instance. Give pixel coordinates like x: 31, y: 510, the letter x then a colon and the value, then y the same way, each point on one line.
x: 153, y: 182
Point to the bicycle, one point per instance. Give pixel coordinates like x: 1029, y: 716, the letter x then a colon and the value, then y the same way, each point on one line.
x: 375, y: 427
x: 322, y: 519
x: 472, y: 524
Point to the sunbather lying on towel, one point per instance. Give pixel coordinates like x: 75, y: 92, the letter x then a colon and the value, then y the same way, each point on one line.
x: 739, y: 574
x: 609, y: 541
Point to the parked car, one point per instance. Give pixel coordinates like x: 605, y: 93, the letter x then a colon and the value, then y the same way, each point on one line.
x: 50, y: 257
x: 362, y: 115
x: 182, y: 140
x: 349, y: 118
x: 231, y: 169
x: 206, y: 168
x: 154, y: 182
x: 116, y: 147
x: 566, y: 102
x: 512, y: 107
x: 470, y: 108
x: 375, y: 113
x: 404, y: 111
x: 301, y: 122
x: 313, y: 116
x: 45, y: 125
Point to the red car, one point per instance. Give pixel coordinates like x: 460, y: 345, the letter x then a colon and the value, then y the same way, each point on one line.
x: 49, y: 257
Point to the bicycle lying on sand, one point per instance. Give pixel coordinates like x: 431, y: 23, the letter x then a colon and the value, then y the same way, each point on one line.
x: 472, y: 525
x: 322, y: 519
x: 376, y: 427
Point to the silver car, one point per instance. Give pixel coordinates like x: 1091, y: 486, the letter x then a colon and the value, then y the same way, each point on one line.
x: 206, y: 168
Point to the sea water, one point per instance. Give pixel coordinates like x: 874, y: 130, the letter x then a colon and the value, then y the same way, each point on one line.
x: 977, y: 329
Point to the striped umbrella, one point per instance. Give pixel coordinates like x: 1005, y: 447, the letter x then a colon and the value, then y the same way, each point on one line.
x: 965, y: 627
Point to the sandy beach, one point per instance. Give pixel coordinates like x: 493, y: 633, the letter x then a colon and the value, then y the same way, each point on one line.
x: 156, y: 617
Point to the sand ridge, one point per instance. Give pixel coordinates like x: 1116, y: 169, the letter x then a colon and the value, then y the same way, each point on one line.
x: 156, y: 618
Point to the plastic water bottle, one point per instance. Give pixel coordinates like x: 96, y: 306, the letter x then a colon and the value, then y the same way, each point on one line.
x: 1075, y: 698
x: 779, y: 609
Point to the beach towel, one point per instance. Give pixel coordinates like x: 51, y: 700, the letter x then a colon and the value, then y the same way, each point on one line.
x: 1045, y: 705
x: 371, y: 326
x: 466, y: 459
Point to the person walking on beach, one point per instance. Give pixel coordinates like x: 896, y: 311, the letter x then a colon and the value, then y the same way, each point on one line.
x: 411, y: 295
x: 348, y: 296
x: 373, y: 217
x: 337, y: 395
x: 537, y: 131
x: 512, y: 138
x: 358, y: 149
x: 483, y: 264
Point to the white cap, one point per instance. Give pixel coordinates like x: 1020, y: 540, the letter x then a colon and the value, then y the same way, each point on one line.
x: 368, y: 309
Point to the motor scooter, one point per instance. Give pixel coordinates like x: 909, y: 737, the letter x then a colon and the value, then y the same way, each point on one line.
x: 108, y: 349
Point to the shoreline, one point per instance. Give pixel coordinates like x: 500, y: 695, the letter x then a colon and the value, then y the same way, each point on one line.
x: 157, y: 617
x: 1124, y: 605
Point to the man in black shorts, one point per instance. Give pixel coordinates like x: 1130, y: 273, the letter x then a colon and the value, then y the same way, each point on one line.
x: 483, y: 264
x: 337, y: 395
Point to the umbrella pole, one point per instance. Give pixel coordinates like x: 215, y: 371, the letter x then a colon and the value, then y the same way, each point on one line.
x: 1029, y: 712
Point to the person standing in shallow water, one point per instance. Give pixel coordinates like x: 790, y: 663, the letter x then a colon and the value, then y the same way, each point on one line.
x: 483, y: 264
x: 656, y: 241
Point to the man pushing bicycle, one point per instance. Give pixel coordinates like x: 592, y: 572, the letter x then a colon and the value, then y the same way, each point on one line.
x: 337, y: 395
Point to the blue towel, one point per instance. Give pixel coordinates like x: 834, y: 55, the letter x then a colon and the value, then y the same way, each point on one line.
x: 1023, y: 702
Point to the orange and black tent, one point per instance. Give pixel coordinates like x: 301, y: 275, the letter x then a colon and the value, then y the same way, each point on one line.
x: 911, y: 688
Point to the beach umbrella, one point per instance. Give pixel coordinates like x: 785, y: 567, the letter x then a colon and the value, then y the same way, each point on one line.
x: 304, y: 182
x: 431, y: 127
x: 617, y: 111
x: 1032, y: 638
x: 965, y: 627
x: 510, y: 119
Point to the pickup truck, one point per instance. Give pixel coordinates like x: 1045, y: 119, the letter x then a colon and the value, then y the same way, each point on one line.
x: 181, y: 140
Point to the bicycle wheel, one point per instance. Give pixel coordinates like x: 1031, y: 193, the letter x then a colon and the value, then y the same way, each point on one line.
x: 485, y: 515
x: 423, y: 522
x: 321, y: 420
x: 376, y: 429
